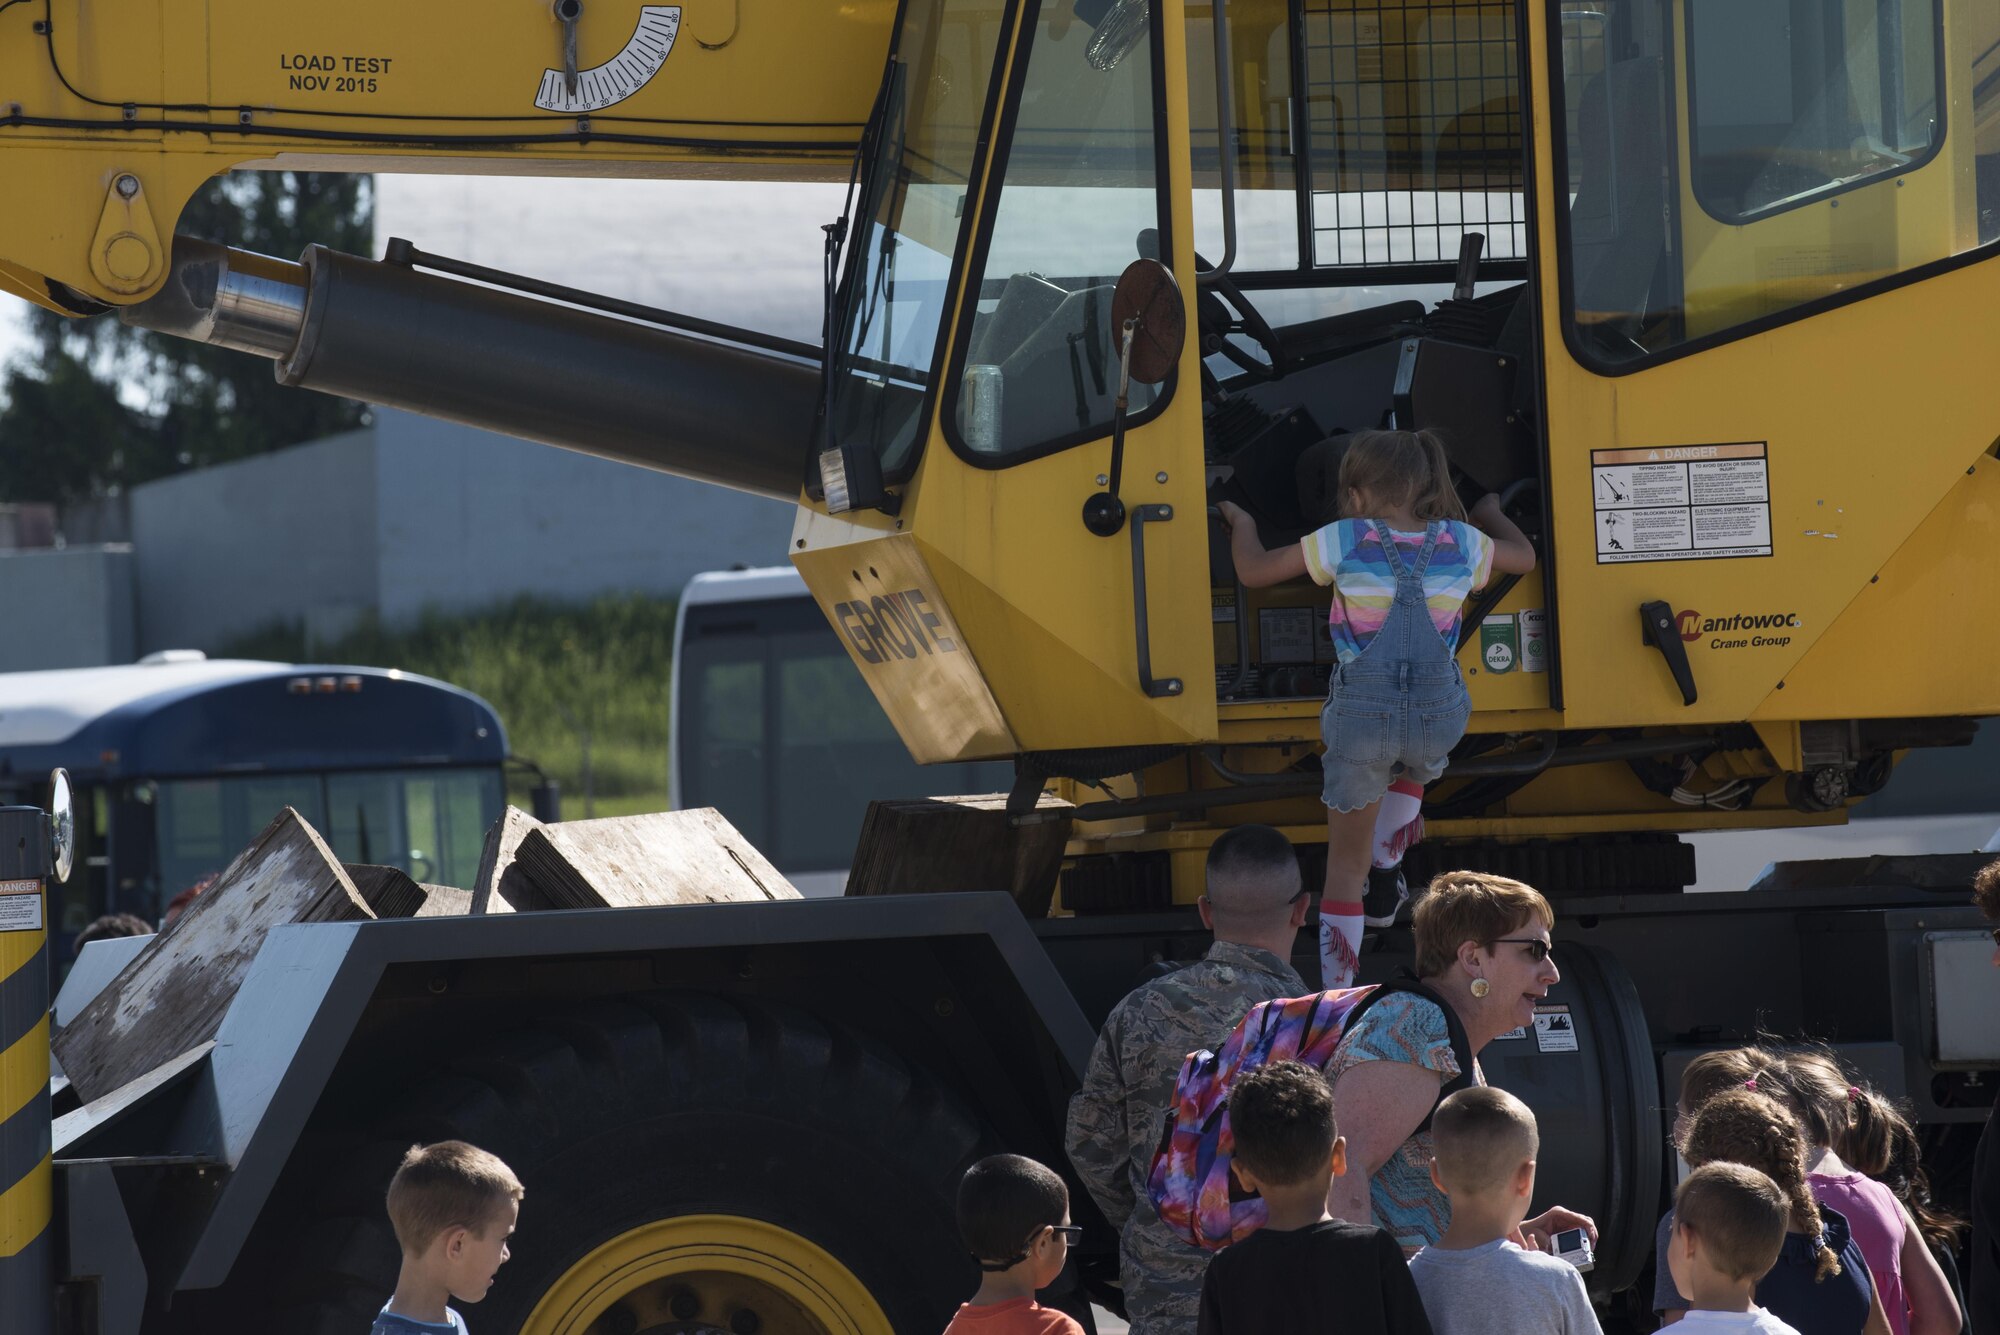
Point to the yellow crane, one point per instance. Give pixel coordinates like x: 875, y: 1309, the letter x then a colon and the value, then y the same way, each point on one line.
x: 1698, y: 286
x: 1706, y: 385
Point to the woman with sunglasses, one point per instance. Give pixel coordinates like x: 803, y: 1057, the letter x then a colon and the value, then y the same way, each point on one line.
x: 1983, y: 1270
x: 1483, y: 951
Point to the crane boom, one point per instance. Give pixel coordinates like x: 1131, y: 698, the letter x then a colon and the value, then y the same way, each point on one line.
x: 115, y: 113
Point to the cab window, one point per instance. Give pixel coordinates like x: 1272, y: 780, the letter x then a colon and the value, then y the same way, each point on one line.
x: 1079, y: 199
x: 1758, y: 158
x: 1794, y: 100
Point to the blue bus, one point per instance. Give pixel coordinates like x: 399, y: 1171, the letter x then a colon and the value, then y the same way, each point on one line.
x: 179, y: 760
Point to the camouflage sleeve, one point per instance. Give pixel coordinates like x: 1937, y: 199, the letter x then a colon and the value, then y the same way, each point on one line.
x: 1097, y: 1138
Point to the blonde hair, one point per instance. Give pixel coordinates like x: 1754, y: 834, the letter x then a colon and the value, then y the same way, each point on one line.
x: 1710, y: 1073
x: 447, y: 1185
x: 1400, y: 468
x: 1749, y: 1127
x: 1461, y: 906
x: 1480, y: 1137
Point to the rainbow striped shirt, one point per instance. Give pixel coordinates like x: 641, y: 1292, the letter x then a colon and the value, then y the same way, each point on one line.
x: 1347, y: 554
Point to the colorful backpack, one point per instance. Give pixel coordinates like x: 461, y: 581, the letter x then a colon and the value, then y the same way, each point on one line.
x: 1190, y: 1184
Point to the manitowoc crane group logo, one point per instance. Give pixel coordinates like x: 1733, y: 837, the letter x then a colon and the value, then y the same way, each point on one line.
x: 1693, y: 625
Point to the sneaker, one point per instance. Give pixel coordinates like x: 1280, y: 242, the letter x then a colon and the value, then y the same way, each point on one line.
x: 1385, y: 896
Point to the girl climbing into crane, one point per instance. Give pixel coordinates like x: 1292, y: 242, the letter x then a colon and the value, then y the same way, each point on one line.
x: 1402, y: 562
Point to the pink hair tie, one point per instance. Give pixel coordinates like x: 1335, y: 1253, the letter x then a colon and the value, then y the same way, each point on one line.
x: 1853, y: 1093
x: 1751, y: 1083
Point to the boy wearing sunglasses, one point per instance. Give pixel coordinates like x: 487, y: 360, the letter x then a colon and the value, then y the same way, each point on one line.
x: 1304, y: 1272
x: 1013, y: 1214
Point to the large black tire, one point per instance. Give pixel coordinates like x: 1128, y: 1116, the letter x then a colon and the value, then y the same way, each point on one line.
x: 621, y: 1114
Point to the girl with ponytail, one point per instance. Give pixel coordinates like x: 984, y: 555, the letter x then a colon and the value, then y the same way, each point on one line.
x: 1846, y: 1121
x: 1402, y: 561
x: 1820, y: 1284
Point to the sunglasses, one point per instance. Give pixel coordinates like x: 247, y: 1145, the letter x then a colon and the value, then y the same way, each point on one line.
x: 1538, y: 949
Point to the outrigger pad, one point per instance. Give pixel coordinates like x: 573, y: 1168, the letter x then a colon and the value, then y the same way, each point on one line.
x: 942, y: 845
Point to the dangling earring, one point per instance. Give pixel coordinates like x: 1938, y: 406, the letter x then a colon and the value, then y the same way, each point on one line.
x: 1480, y: 987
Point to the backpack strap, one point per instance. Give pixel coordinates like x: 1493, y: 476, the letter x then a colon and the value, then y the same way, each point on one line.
x: 1461, y: 1046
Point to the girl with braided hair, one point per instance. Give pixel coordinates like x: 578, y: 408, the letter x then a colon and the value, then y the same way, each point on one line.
x: 1820, y: 1284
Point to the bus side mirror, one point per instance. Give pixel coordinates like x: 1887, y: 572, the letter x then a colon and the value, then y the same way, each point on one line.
x: 545, y: 800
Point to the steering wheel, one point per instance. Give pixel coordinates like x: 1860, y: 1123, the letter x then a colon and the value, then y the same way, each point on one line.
x: 1217, y: 321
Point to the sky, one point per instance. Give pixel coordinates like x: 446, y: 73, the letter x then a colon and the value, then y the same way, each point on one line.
x: 748, y: 254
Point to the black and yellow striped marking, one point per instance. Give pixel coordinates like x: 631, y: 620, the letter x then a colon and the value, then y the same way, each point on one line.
x: 27, y: 1184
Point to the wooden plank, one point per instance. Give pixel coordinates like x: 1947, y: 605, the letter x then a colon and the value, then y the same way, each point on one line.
x: 173, y: 996
x: 935, y: 845
x: 498, y: 887
x: 670, y: 857
x: 389, y: 891
x: 445, y: 901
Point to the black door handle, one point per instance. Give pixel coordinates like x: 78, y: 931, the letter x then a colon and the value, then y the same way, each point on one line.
x: 1663, y: 632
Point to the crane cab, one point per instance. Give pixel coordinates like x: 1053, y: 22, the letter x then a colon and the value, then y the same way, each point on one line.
x: 1668, y: 275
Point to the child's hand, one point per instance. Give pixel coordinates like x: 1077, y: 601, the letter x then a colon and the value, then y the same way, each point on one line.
x: 1233, y: 514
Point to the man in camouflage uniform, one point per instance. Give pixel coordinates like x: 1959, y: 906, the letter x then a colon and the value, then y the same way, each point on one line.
x: 1255, y: 905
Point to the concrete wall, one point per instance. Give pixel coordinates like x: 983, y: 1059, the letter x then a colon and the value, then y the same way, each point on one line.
x: 413, y: 514
x: 469, y: 518
x: 228, y: 550
x: 64, y: 608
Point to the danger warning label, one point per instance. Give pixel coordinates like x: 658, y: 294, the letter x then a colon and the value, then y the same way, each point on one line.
x: 1555, y: 1031
x: 20, y: 906
x: 1681, y: 502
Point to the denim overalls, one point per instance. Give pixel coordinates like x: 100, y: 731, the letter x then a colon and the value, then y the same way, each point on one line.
x: 1401, y: 704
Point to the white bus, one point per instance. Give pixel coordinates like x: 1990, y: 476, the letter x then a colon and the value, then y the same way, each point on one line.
x: 774, y: 727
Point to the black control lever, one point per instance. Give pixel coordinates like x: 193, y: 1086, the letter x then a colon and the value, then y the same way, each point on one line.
x: 1663, y: 632
x: 1469, y: 247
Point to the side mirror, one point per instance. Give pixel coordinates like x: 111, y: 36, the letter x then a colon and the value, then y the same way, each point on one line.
x: 1147, y: 303
x: 62, y: 826
x: 1149, y: 320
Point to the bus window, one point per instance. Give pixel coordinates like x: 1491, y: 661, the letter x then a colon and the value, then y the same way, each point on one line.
x: 430, y: 823
x: 776, y: 729
x: 201, y: 824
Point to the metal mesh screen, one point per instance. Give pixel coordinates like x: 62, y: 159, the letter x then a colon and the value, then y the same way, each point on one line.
x: 1413, y: 124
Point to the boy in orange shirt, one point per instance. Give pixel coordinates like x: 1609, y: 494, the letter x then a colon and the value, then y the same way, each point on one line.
x: 1014, y: 1216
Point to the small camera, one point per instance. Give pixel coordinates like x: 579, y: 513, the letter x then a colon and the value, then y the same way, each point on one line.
x: 1573, y: 1245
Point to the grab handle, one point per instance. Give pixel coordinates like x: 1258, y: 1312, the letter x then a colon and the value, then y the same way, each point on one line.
x: 1143, y: 515
x: 1225, y: 132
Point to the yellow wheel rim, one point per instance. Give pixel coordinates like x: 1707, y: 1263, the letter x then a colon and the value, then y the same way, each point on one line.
x: 707, y: 1273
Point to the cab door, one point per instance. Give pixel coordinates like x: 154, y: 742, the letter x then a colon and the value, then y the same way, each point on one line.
x: 1061, y: 637
x: 1768, y: 417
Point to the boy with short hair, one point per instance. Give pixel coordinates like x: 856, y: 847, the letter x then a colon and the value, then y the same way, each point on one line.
x: 453, y: 1207
x: 1475, y: 1280
x: 1013, y: 1214
x: 1303, y: 1272
x: 1729, y: 1226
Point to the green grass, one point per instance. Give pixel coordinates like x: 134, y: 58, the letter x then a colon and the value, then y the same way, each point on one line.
x: 554, y: 671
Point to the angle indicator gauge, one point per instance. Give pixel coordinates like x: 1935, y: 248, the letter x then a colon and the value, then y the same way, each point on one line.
x: 622, y: 75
